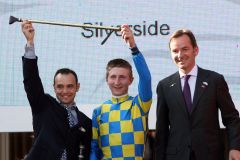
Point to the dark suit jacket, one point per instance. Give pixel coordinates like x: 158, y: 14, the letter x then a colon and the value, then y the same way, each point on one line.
x: 50, y: 122
x: 178, y: 133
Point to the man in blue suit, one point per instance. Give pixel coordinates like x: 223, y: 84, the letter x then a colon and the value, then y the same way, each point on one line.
x: 188, y: 104
x: 59, y: 127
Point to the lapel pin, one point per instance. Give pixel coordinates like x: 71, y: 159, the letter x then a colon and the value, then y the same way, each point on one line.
x: 82, y: 129
x: 172, y: 85
x: 204, y: 84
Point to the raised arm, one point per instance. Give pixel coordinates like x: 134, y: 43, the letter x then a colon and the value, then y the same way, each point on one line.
x: 32, y: 82
x: 144, y: 85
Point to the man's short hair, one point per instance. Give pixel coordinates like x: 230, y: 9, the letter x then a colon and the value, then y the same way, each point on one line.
x: 186, y: 32
x: 65, y: 71
x: 119, y: 63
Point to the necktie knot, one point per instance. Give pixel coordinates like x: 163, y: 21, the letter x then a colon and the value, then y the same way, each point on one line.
x: 69, y: 108
x: 187, y: 78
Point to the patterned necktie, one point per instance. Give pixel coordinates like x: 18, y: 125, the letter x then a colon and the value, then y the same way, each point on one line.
x: 187, y: 93
x: 70, y: 116
x: 64, y: 155
x: 72, y: 122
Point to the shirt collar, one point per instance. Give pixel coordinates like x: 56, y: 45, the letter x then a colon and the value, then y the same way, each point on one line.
x: 193, y: 72
x: 71, y: 106
x: 119, y: 99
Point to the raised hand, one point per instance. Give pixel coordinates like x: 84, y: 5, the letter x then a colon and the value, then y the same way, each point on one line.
x: 127, y: 35
x: 28, y: 31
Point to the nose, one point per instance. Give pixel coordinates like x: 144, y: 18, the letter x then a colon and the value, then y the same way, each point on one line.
x: 117, y: 81
x: 65, y: 90
x: 179, y: 54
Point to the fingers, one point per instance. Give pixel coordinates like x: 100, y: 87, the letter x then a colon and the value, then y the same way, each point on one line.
x: 28, y: 31
x: 127, y: 35
x: 27, y: 26
x: 126, y: 32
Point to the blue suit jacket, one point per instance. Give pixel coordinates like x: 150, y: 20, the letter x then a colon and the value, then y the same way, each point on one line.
x: 50, y: 122
x: 179, y: 133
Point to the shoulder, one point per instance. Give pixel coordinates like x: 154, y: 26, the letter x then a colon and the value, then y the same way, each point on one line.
x: 104, y: 107
x: 52, y: 101
x: 84, y: 115
x: 208, y: 73
x: 45, y: 102
x: 168, y: 80
x: 51, y: 98
x: 97, y: 110
x: 85, y: 118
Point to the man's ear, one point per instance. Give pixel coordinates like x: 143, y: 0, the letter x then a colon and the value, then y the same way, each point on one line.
x: 196, y: 50
x: 78, y: 86
x: 131, y: 80
x: 54, y: 88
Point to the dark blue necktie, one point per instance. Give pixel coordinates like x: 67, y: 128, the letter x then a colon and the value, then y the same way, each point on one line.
x: 187, y: 93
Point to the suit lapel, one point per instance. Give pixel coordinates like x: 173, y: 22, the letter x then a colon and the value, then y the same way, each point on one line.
x: 61, y: 114
x: 200, y: 88
x: 81, y: 121
x: 60, y: 117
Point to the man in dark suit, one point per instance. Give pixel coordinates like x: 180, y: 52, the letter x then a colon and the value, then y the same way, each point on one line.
x: 188, y: 102
x: 59, y: 127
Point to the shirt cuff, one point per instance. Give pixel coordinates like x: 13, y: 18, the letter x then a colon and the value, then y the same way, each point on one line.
x: 29, y: 52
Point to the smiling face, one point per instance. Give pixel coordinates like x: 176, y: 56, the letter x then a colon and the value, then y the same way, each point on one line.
x: 183, y: 53
x: 66, y: 87
x: 118, y: 80
x: 119, y: 76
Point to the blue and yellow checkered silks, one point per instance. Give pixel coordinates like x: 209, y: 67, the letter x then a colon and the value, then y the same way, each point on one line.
x: 119, y: 124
